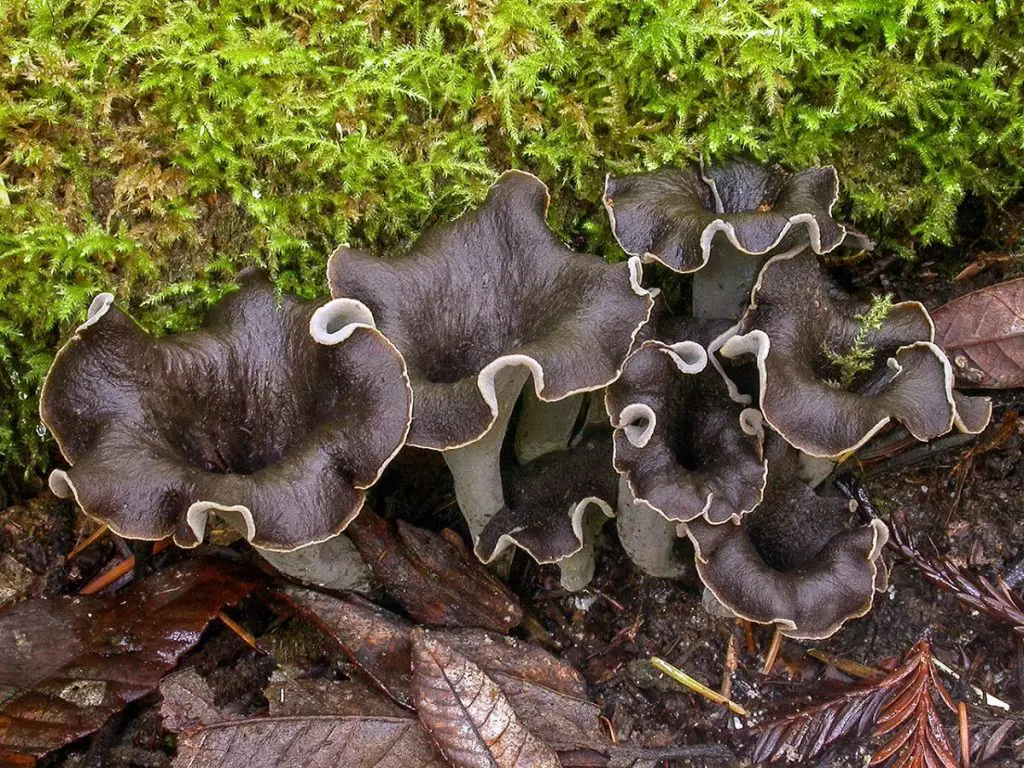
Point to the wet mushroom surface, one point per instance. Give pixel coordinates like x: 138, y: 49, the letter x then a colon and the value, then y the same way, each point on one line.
x: 278, y: 414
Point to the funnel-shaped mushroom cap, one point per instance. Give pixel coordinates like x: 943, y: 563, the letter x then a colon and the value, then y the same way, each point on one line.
x: 674, y: 216
x: 279, y: 412
x: 684, y: 448
x: 797, y: 561
x: 492, y: 290
x: 548, y: 499
x: 797, y: 325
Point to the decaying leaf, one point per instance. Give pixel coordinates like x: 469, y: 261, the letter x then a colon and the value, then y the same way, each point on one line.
x: 311, y: 742
x: 466, y: 712
x: 435, y: 578
x: 38, y: 637
x: 188, y: 702
x: 983, y: 334
x: 549, y: 695
x: 317, y: 696
x: 899, y: 707
x: 125, y: 650
x: 376, y: 640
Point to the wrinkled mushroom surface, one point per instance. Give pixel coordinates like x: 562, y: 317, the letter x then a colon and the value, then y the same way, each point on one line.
x: 799, y: 561
x: 277, y: 414
x: 476, y: 307
x: 674, y: 215
x: 682, y: 445
x: 491, y: 290
x: 796, y: 317
x: 554, y: 506
x: 724, y: 221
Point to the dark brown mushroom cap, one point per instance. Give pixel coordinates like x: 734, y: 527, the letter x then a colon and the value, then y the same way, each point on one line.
x: 796, y: 314
x: 796, y: 561
x: 684, y: 448
x: 250, y: 415
x: 548, y: 498
x: 674, y: 216
x: 493, y: 289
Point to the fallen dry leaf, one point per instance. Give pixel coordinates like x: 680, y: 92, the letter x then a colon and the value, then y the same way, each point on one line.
x: 311, y: 742
x: 375, y: 640
x: 125, y: 649
x: 434, y: 576
x: 983, y: 334
x: 548, y: 695
x: 467, y: 714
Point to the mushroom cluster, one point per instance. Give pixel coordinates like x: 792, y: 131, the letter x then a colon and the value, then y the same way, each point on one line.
x: 558, y: 390
x: 797, y: 374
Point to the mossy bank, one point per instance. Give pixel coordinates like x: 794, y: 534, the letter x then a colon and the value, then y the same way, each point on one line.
x: 154, y: 147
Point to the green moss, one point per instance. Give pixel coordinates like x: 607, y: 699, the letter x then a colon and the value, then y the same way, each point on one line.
x: 859, y: 357
x: 153, y: 147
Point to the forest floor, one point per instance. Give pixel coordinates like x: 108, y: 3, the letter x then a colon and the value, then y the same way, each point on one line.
x: 963, y: 501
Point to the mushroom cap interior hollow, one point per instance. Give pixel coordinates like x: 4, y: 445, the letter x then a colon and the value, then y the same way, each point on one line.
x: 675, y: 216
x: 548, y: 500
x: 683, y: 447
x: 252, y: 416
x: 798, y: 561
x: 797, y: 317
x: 492, y: 289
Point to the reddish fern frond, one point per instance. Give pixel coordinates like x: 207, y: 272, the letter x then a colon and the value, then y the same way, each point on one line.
x: 807, y: 733
x: 900, y: 706
x: 916, y: 736
x: 973, y: 590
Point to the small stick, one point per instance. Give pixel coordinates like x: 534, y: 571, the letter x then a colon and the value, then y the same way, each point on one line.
x: 127, y: 565
x: 238, y: 629
x: 90, y: 539
x: 732, y: 660
x: 988, y: 698
x: 748, y: 635
x: 697, y: 687
x: 965, y: 734
x: 773, y: 653
x: 851, y: 668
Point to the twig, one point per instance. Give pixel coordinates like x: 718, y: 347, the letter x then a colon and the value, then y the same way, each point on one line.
x: 126, y: 566
x: 90, y: 539
x: 697, y: 687
x: 773, y: 653
x: 965, y: 734
x: 851, y: 668
x: 732, y: 659
x: 988, y: 698
x: 239, y: 630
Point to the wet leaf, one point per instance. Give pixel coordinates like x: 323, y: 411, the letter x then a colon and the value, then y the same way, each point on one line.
x: 188, y: 702
x: 38, y: 637
x: 291, y: 698
x: 375, y: 640
x: 983, y: 334
x: 311, y: 742
x: 434, y: 576
x: 125, y: 649
x: 466, y: 712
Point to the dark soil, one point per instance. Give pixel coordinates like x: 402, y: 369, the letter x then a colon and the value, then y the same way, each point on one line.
x: 965, y: 502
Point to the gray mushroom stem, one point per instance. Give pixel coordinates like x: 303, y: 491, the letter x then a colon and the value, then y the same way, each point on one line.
x: 722, y: 288
x: 647, y: 536
x: 545, y: 427
x: 476, y: 467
